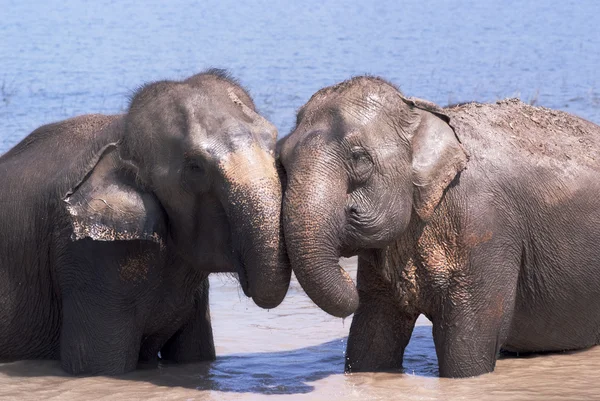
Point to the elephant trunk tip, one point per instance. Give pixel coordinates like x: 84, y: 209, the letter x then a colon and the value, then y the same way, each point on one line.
x: 339, y: 299
x: 344, y: 309
x: 270, y: 280
x: 348, y: 300
x: 267, y: 302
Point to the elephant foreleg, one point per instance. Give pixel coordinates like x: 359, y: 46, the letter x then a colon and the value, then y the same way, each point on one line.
x: 380, y: 329
x: 96, y: 339
x: 468, y: 334
x: 464, y: 350
x: 473, y: 318
x: 378, y: 336
x: 194, y: 341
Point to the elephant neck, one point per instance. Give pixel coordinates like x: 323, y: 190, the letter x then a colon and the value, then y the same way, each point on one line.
x: 396, y: 269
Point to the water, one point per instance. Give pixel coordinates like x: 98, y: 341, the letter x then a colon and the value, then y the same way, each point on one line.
x: 60, y: 59
x: 295, y: 352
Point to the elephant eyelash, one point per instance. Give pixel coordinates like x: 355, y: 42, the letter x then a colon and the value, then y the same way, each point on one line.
x: 358, y: 152
x: 193, y: 165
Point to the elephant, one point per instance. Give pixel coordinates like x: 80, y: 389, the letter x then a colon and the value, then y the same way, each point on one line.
x: 483, y: 217
x: 111, y: 224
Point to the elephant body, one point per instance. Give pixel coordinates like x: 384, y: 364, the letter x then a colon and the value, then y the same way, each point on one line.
x: 548, y: 199
x: 498, y: 246
x: 95, y: 268
x: 508, y: 260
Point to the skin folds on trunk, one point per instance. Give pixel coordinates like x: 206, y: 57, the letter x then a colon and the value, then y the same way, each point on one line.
x: 253, y: 199
x: 311, y: 226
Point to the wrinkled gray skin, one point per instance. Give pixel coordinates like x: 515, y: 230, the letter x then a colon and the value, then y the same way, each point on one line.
x: 483, y: 217
x: 110, y: 226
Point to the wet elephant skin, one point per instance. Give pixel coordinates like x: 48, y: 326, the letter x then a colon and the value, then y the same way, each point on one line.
x: 110, y: 225
x: 483, y: 217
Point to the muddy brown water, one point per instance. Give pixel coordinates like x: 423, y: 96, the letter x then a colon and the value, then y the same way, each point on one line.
x: 296, y: 352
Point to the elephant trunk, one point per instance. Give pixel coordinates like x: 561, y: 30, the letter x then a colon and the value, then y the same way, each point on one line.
x: 253, y: 206
x: 312, y: 219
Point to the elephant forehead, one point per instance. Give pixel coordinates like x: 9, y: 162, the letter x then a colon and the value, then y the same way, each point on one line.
x: 342, y: 114
x: 218, y: 138
x: 245, y: 163
x: 365, y: 109
x: 196, y: 131
x: 305, y: 146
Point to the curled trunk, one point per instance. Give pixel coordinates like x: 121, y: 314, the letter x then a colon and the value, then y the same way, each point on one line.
x: 312, y: 223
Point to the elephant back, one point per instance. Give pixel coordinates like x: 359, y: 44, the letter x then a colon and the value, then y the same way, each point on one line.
x: 56, y: 156
x: 540, y: 135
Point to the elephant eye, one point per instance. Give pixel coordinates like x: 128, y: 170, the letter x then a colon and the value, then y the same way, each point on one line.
x: 195, y: 176
x: 194, y: 166
x: 361, y: 164
x: 359, y: 154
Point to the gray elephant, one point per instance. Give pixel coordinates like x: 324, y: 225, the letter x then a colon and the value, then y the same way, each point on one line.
x: 110, y: 225
x: 483, y: 217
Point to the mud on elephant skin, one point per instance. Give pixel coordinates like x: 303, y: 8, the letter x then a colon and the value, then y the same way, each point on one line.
x: 483, y: 217
x: 110, y: 226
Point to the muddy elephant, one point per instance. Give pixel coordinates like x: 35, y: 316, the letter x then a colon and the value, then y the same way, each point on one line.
x: 483, y: 217
x: 110, y: 225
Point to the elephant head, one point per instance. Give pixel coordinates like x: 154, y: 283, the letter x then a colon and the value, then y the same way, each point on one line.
x: 194, y: 170
x: 361, y: 162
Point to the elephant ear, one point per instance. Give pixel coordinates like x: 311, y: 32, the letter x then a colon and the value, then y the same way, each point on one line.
x: 437, y: 157
x: 108, y: 205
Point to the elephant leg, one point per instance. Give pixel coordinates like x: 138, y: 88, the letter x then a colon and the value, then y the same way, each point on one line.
x: 96, y: 339
x: 380, y: 329
x: 378, y: 336
x: 469, y: 330
x: 472, y: 314
x: 194, y: 341
x: 465, y: 349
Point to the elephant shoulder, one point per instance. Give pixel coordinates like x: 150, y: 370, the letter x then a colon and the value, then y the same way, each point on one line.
x: 108, y: 205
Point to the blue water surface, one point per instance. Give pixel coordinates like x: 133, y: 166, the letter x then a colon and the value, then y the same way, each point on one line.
x: 63, y: 58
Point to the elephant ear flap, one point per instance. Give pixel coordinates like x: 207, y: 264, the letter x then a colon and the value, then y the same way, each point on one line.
x: 437, y: 157
x: 107, y: 205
